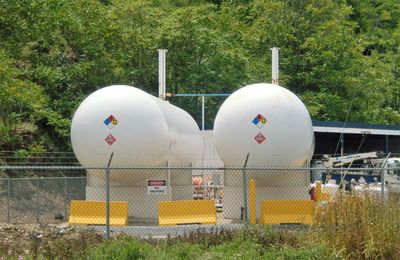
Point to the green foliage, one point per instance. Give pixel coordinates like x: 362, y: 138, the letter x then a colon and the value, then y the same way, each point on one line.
x: 20, y: 101
x: 124, y: 248
x: 316, y: 252
x: 338, y: 56
x: 246, y: 244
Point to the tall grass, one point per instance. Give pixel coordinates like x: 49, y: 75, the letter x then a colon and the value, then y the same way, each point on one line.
x: 360, y: 226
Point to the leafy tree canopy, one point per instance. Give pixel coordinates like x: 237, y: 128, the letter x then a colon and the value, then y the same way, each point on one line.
x: 340, y: 57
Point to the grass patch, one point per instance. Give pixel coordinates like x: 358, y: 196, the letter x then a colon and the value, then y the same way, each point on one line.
x: 259, y: 242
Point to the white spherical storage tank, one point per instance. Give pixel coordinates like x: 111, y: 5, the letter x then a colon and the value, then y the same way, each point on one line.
x: 140, y: 130
x: 274, y: 127
x: 267, y: 121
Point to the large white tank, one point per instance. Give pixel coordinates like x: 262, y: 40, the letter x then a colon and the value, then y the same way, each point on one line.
x: 141, y: 130
x: 268, y: 122
x: 273, y: 126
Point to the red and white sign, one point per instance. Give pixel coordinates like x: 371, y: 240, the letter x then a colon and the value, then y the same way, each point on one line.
x: 259, y: 138
x: 110, y: 139
x: 156, y: 186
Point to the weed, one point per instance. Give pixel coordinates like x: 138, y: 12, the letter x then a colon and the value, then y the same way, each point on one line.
x: 205, y: 239
x: 360, y: 226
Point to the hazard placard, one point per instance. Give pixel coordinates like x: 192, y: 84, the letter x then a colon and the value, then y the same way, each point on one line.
x: 259, y: 138
x: 110, y: 139
x: 157, y: 186
x: 110, y: 121
x: 259, y: 121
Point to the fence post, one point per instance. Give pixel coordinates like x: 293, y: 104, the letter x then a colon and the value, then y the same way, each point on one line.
x: 383, y: 185
x: 169, y: 180
x: 37, y: 200
x: 108, y: 198
x: 245, y: 211
x: 8, y: 199
x: 65, y: 197
x: 382, y: 171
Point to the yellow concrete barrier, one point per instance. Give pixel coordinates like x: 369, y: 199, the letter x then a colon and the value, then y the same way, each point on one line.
x: 286, y: 212
x: 186, y: 212
x: 86, y: 212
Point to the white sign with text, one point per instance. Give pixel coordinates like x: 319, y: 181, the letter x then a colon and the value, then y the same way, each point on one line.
x: 156, y: 186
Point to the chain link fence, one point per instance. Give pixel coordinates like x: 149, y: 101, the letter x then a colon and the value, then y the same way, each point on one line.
x: 45, y: 194
x: 39, y: 194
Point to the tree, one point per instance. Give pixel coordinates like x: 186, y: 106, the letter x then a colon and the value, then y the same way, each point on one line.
x: 322, y: 58
x: 20, y: 101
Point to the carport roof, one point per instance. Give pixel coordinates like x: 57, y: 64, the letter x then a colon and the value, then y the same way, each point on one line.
x: 355, y: 128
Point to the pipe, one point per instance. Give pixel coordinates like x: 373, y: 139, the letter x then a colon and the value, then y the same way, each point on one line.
x: 275, y: 65
x: 161, y: 73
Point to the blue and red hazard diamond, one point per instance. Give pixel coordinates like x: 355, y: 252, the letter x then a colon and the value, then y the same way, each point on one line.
x: 259, y: 121
x: 110, y: 121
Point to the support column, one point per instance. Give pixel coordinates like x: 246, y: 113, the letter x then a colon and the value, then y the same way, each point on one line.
x: 386, y: 144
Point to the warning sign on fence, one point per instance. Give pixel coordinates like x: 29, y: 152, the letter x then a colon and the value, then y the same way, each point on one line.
x: 157, y: 186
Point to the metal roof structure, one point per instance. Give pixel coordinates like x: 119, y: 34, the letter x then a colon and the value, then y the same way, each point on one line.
x: 355, y: 128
